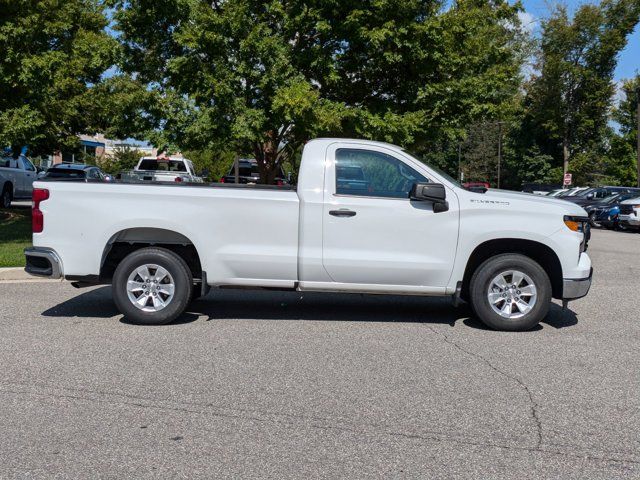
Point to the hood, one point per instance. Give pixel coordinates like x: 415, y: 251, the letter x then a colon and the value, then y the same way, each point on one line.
x: 535, y: 201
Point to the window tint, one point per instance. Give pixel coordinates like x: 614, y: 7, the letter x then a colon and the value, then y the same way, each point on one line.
x: 94, y: 174
x: 65, y: 173
x: 373, y: 174
x: 163, y: 165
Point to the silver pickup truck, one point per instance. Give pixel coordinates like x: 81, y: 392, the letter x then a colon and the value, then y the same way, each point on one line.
x: 16, y: 179
x: 162, y: 169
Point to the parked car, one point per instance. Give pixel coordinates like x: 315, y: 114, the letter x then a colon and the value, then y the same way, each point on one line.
x: 629, y: 216
x: 539, y: 188
x: 16, y: 179
x: 590, y: 195
x: 411, y: 231
x: 479, y: 187
x: 162, y: 169
x: 77, y: 171
x: 600, y: 211
x: 555, y: 193
x: 248, y: 173
x: 571, y: 192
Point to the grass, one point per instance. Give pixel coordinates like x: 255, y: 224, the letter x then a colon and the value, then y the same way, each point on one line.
x: 15, y: 235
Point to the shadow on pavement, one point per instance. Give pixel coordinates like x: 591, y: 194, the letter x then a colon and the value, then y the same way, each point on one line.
x: 274, y: 305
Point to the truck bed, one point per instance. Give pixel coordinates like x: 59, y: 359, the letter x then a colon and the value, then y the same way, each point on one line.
x: 245, y: 234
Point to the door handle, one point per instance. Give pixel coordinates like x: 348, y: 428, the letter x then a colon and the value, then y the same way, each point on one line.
x: 343, y: 212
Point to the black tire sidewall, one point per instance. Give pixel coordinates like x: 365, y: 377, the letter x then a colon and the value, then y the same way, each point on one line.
x: 178, y: 269
x: 492, y: 267
x: 6, y: 194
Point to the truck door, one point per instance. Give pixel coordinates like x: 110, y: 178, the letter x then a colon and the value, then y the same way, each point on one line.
x: 372, y: 233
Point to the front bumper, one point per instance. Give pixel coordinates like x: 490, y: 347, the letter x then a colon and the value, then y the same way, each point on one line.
x: 630, y: 220
x: 573, y: 288
x: 43, y: 262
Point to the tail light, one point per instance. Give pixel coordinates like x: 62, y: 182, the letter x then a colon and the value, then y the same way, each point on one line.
x: 37, y: 218
x: 280, y: 183
x: 178, y: 179
x: 221, y: 179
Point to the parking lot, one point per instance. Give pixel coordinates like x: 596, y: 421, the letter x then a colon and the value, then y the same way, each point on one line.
x: 288, y: 385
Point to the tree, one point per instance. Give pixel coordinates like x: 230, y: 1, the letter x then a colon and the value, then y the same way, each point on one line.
x: 568, y: 101
x: 53, y: 53
x: 263, y: 77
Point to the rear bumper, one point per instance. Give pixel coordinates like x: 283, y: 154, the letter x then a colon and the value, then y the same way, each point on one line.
x: 43, y: 262
x: 576, y: 288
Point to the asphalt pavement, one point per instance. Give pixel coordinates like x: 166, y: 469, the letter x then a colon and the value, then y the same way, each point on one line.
x: 289, y: 385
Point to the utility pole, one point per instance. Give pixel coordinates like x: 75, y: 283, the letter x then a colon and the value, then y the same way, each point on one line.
x: 499, y: 150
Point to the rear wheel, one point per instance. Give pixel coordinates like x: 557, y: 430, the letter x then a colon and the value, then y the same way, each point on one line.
x: 6, y: 197
x: 152, y: 286
x: 510, y: 292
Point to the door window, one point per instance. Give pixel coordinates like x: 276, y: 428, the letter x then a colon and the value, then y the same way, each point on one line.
x: 27, y: 165
x: 373, y: 174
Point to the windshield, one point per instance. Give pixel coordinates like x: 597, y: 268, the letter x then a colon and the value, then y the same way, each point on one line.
x: 65, y: 173
x: 435, y: 169
x: 586, y: 192
x: 162, y: 165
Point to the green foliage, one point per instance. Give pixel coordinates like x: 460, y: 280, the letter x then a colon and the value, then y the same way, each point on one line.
x: 123, y: 158
x: 211, y: 164
x: 53, y: 52
x: 266, y: 76
x: 568, y: 101
x: 15, y: 236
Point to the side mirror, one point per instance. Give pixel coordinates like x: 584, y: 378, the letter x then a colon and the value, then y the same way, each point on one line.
x: 430, y: 192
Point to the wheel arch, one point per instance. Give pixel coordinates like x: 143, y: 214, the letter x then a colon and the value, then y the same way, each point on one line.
x: 129, y: 240
x: 538, y: 252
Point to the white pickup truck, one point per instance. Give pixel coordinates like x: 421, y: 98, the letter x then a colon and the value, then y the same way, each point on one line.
x: 16, y: 179
x: 162, y: 169
x: 365, y: 217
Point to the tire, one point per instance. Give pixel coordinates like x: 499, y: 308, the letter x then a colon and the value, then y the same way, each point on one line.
x: 150, y: 309
x: 6, y: 198
x: 519, y: 311
x: 593, y: 222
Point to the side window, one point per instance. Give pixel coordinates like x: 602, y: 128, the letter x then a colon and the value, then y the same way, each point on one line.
x: 94, y: 174
x: 373, y: 174
x: 27, y: 165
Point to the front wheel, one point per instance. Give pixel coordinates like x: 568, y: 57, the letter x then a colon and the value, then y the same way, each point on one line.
x: 592, y: 220
x: 152, y: 286
x: 510, y: 292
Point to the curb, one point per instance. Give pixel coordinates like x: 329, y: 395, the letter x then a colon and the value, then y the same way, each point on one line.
x: 17, y: 274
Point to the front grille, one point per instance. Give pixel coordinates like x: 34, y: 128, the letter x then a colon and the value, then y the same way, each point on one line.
x: 626, y: 209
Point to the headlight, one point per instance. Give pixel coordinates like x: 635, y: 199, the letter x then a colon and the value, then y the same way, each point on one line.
x: 575, y: 223
x: 580, y: 225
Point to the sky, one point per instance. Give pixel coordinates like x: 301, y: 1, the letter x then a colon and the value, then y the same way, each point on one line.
x: 629, y: 58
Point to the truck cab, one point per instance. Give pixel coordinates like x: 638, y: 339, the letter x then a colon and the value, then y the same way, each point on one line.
x: 16, y: 179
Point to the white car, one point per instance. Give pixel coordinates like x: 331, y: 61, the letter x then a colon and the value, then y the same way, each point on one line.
x: 162, y: 169
x: 404, y: 229
x: 16, y: 179
x: 629, y: 215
